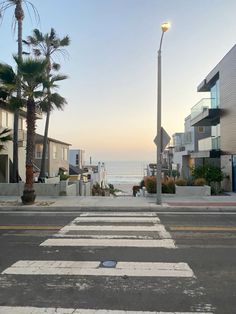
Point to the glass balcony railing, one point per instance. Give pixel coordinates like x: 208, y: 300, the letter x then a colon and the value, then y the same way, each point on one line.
x: 203, y: 104
x: 209, y: 143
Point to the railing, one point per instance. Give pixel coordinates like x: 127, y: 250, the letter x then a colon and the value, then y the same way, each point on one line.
x: 203, y: 104
x: 209, y: 143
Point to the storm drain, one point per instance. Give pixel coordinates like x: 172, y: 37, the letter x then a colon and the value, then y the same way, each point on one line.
x: 108, y: 264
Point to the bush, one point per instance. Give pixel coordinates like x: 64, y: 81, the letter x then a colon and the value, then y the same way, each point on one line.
x: 199, y: 182
x: 168, y: 186
x: 150, y: 184
x: 181, y: 182
x: 209, y: 173
x: 63, y: 177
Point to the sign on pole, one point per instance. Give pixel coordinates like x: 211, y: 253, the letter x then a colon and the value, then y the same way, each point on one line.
x: 165, y: 138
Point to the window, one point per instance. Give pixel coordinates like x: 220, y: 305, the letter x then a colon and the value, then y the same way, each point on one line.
x: 77, y: 159
x: 7, y: 120
x: 201, y: 129
x: 64, y: 152
x: 4, y: 119
x: 54, y: 151
x: 38, y: 151
x: 215, y: 95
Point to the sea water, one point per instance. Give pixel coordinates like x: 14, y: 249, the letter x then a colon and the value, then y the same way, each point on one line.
x: 125, y: 172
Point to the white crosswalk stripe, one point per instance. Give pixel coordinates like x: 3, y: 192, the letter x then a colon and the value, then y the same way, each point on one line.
x: 147, y: 222
x: 87, y: 268
x: 105, y: 229
x: 35, y: 310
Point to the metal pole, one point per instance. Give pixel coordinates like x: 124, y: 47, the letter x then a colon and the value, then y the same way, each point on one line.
x: 158, y: 174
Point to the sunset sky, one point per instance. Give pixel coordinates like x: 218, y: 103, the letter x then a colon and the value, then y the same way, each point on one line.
x: 111, y: 90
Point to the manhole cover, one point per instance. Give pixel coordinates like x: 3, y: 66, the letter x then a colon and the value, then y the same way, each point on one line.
x: 108, y: 264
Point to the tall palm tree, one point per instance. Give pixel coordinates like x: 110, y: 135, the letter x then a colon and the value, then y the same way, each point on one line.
x: 48, y: 46
x: 5, y: 136
x: 32, y: 79
x: 19, y: 17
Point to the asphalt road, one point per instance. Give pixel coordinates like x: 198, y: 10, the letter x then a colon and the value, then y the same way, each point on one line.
x: 204, y: 242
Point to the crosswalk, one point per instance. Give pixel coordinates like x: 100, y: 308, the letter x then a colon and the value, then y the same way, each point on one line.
x: 100, y: 284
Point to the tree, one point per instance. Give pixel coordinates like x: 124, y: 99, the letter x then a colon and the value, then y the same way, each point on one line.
x: 48, y: 46
x: 19, y: 17
x: 32, y: 79
x: 5, y: 136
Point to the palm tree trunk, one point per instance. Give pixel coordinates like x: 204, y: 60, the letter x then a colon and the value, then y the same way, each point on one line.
x: 19, y: 14
x: 28, y: 193
x: 42, y: 174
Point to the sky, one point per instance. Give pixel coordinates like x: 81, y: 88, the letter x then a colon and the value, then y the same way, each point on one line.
x: 112, y: 67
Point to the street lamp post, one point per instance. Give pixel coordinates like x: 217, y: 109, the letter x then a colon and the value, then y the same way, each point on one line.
x: 164, y: 28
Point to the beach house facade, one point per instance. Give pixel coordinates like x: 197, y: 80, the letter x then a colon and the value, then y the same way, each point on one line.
x: 6, y: 155
x: 218, y: 111
x: 57, y: 156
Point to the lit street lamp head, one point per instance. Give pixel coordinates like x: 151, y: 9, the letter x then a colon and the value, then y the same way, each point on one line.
x: 165, y: 26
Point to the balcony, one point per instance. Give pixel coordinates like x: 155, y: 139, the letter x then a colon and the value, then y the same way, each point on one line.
x: 203, y: 115
x: 209, y: 143
x: 208, y: 148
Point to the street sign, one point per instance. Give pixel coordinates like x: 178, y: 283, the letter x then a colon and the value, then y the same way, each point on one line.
x: 165, y: 138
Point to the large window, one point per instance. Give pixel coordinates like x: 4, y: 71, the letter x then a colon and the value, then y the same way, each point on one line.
x: 215, y: 95
x: 64, y: 153
x: 54, y: 151
x: 38, y: 151
x: 7, y: 119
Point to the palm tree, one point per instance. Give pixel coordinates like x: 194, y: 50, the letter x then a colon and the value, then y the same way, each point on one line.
x: 47, y: 46
x: 32, y: 79
x: 19, y: 17
x: 5, y: 136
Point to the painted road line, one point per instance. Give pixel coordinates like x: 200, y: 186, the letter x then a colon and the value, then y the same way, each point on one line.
x: 202, y: 228
x: 118, y: 214
x: 51, y: 310
x: 26, y: 227
x: 164, y: 243
x: 117, y: 219
x: 84, y: 268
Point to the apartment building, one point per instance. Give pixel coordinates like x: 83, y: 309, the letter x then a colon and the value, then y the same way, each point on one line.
x: 218, y: 111
x: 57, y: 155
x: 6, y: 155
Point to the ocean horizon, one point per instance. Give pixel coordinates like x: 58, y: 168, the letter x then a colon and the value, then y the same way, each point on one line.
x: 125, y: 172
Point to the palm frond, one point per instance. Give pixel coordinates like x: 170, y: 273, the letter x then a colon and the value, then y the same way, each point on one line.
x: 58, y: 101
x: 56, y: 66
x: 56, y: 78
x: 7, y: 75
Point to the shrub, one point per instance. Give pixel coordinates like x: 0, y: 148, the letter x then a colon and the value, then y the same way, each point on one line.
x: 63, y: 177
x: 209, y: 173
x: 199, y: 182
x: 168, y: 186
x: 150, y: 184
x: 181, y: 182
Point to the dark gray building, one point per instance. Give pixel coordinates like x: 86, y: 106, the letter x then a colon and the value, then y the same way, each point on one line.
x: 219, y: 112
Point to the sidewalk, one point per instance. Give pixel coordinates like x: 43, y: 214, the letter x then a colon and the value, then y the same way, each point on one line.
x: 169, y: 202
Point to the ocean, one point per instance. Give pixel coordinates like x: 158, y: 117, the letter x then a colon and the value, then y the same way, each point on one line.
x: 125, y: 172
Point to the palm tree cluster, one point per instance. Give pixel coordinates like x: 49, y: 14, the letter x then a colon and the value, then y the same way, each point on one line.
x: 32, y: 86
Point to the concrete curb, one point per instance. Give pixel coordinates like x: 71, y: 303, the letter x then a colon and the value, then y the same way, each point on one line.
x: 155, y: 208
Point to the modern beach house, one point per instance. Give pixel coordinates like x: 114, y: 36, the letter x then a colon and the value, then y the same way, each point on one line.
x: 219, y: 113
